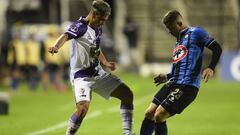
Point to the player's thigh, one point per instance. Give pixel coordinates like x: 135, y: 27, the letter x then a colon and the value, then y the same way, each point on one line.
x: 179, y: 98
x: 161, y: 95
x: 123, y: 93
x: 111, y: 86
x: 161, y: 114
x: 150, y: 111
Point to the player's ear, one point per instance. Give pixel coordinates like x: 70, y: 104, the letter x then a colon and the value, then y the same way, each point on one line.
x: 179, y: 23
x: 94, y: 13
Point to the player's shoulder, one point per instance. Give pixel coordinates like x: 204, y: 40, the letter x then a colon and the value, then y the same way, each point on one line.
x: 78, y: 27
x: 197, y: 30
x: 80, y: 23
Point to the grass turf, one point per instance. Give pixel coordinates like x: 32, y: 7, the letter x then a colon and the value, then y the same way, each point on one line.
x: 214, y: 112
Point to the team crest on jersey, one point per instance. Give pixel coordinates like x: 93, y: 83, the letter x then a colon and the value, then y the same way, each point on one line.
x: 82, y: 91
x: 179, y: 53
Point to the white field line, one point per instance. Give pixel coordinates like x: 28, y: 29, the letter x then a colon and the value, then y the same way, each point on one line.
x: 89, y: 116
x: 63, y: 124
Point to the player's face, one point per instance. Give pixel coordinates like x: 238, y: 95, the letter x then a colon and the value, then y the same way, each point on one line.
x: 173, y: 29
x: 100, y: 20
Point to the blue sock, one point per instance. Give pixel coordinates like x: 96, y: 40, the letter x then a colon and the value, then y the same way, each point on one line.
x: 75, y: 119
x: 73, y: 125
x: 147, y: 127
x: 161, y: 128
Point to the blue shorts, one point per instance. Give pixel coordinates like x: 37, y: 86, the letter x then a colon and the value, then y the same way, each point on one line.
x: 175, y: 97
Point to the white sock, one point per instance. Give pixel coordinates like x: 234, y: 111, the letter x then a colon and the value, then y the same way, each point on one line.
x: 72, y: 128
x: 73, y: 125
x: 127, y: 119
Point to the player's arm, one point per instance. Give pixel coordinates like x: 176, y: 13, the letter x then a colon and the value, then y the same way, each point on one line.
x: 58, y: 44
x: 216, y: 53
x: 103, y: 60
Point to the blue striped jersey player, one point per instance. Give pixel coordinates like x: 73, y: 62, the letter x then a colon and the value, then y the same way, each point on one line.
x: 182, y: 83
x: 187, y: 56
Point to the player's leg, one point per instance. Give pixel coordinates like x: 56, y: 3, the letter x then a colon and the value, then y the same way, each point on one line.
x: 77, y: 117
x: 148, y: 124
x: 164, y: 110
x: 123, y: 93
x: 82, y: 94
x: 160, y: 117
x: 178, y: 99
x: 147, y: 127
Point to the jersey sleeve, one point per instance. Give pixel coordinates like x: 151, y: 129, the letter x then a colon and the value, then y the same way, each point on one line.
x: 77, y: 29
x: 203, y: 38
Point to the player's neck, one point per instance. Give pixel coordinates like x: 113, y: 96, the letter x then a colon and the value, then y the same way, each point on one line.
x: 183, y: 28
x: 89, y: 21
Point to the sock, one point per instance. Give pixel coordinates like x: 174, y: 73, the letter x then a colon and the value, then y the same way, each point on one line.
x: 147, y: 127
x: 73, y: 125
x: 161, y: 128
x: 127, y: 118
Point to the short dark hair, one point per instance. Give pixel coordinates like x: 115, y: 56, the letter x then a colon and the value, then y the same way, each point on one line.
x: 171, y: 16
x: 101, y: 7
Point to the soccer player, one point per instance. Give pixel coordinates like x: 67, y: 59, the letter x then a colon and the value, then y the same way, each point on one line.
x: 87, y: 74
x: 182, y: 84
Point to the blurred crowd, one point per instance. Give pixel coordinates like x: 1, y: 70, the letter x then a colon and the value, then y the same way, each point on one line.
x: 29, y: 61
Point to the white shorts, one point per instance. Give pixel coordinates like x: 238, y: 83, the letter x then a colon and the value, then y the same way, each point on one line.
x: 103, y: 84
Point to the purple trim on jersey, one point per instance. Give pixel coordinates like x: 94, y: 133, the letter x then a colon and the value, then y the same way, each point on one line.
x: 124, y: 106
x: 88, y: 72
x: 98, y: 33
x: 77, y: 29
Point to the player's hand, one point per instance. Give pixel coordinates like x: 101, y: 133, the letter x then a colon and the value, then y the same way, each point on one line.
x: 110, y: 65
x: 53, y: 50
x: 161, y: 78
x: 207, y: 74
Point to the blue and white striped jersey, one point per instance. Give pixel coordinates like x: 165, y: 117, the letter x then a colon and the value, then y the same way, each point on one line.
x: 187, y: 56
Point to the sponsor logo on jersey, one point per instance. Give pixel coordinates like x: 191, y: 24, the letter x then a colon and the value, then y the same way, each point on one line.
x: 74, y: 29
x: 179, y: 53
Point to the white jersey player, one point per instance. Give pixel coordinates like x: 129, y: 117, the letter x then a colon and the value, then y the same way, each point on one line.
x: 86, y: 73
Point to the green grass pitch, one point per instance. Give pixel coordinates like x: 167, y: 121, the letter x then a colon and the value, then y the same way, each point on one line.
x: 214, y: 112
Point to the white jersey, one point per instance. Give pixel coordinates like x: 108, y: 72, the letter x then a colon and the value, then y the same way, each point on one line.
x: 84, y: 49
x: 86, y: 73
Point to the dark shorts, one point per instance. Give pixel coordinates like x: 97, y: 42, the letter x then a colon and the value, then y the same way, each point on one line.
x: 175, y: 97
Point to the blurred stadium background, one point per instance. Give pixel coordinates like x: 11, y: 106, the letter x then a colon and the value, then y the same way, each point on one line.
x: 35, y: 95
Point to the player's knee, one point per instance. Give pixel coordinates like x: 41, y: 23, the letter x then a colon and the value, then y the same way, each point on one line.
x: 130, y: 95
x: 149, y: 114
x: 127, y: 97
x: 160, y: 116
x: 82, y: 109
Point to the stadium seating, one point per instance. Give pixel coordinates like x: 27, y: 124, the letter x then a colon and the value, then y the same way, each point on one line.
x: 219, y: 19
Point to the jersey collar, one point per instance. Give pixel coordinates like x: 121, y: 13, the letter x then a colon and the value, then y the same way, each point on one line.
x: 182, y: 32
